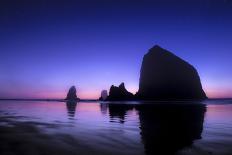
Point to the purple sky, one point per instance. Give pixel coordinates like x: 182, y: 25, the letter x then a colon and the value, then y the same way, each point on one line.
x: 48, y: 46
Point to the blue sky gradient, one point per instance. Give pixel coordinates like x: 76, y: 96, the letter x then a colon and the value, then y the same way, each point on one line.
x: 47, y: 46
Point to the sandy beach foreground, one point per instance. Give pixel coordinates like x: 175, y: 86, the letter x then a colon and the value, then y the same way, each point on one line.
x: 25, y: 138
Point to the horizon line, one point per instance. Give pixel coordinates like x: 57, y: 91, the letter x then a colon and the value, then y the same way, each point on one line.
x: 91, y: 99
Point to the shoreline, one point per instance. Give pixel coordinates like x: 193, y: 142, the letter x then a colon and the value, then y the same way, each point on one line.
x: 96, y: 100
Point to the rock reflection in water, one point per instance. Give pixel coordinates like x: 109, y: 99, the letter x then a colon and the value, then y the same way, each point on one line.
x: 103, y: 108
x: 119, y: 111
x: 165, y: 127
x: 71, y: 108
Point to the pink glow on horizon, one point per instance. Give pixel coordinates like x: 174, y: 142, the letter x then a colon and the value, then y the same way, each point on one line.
x: 211, y: 93
x: 60, y: 92
x: 219, y: 92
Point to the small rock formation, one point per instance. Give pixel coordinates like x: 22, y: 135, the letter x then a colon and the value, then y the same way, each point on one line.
x: 71, y: 96
x: 104, y: 95
x: 164, y: 76
x: 119, y: 93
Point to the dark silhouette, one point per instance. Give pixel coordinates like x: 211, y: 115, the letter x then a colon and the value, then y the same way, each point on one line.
x: 119, y: 111
x: 167, y: 128
x: 71, y: 96
x: 119, y: 93
x: 164, y: 76
x: 71, y: 108
x: 104, y: 95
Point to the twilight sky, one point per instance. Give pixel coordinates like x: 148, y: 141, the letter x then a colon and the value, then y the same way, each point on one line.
x: 48, y: 46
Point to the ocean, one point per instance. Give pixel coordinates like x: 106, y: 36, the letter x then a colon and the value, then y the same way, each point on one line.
x: 116, y: 128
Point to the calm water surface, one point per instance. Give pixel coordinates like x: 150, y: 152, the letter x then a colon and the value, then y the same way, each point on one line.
x: 33, y: 127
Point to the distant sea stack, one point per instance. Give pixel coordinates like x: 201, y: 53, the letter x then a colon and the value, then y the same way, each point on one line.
x: 104, y: 95
x: 164, y: 76
x: 119, y: 93
x: 72, y: 96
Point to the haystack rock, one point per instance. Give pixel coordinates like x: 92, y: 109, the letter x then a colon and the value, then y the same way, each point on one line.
x: 164, y: 76
x: 119, y: 93
x: 104, y: 95
x: 72, y: 94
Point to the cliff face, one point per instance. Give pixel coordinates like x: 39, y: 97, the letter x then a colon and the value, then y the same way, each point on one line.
x: 165, y: 76
x: 119, y: 93
x: 72, y: 94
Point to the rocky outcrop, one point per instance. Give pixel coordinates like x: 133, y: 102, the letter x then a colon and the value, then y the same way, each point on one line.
x: 119, y: 93
x: 71, y: 96
x: 164, y: 76
x: 104, y: 95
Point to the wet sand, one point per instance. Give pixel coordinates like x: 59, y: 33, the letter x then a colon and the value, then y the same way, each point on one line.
x: 25, y: 138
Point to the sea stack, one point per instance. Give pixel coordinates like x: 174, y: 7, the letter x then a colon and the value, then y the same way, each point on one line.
x: 71, y: 96
x: 119, y: 93
x: 164, y: 76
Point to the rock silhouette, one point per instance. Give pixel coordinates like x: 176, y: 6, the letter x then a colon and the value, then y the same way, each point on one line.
x: 165, y: 127
x: 119, y: 93
x: 104, y: 95
x: 169, y: 127
x: 117, y: 112
x: 71, y: 96
x: 164, y: 76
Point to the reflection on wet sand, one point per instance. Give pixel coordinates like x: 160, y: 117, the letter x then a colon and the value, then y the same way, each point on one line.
x: 103, y: 108
x: 118, y: 111
x: 165, y: 127
x: 114, y: 128
x: 71, y: 108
